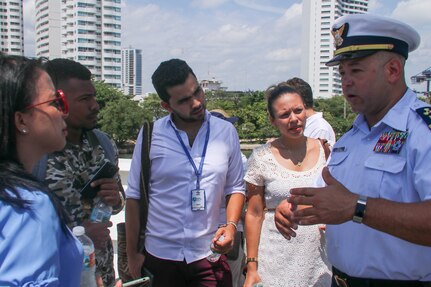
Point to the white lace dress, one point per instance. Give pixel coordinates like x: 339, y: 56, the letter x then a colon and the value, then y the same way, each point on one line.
x: 302, y: 261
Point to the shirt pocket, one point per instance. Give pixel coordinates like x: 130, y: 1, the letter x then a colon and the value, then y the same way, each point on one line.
x: 337, y: 167
x: 337, y: 158
x: 385, y: 177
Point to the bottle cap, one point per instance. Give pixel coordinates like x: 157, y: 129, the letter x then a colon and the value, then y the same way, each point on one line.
x: 78, y: 230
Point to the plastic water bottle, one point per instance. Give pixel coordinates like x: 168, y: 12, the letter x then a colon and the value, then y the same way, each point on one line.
x: 214, y: 256
x: 101, y: 212
x: 88, y: 275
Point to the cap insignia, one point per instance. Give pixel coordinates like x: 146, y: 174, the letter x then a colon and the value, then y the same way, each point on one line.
x: 339, y: 34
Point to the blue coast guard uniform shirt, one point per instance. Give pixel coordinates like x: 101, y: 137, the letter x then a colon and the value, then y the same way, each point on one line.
x: 392, y: 160
x: 357, y: 249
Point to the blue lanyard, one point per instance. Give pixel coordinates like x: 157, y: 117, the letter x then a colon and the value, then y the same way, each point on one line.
x: 198, y: 173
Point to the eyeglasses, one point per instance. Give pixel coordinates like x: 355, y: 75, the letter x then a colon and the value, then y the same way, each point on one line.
x: 59, y: 102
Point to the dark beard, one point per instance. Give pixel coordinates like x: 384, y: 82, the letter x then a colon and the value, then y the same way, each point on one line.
x: 190, y: 120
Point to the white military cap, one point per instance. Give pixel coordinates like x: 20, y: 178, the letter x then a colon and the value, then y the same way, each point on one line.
x: 360, y: 35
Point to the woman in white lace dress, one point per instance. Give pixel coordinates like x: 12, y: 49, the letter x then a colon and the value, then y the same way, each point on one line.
x: 290, y: 161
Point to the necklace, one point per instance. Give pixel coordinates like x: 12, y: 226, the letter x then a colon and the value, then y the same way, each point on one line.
x: 291, y: 153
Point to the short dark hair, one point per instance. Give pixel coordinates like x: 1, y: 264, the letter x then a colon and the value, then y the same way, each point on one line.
x: 168, y: 74
x: 61, y: 70
x: 276, y: 91
x: 304, y: 90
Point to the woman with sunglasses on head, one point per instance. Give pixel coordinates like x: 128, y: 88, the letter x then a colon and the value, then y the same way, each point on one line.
x: 36, y: 247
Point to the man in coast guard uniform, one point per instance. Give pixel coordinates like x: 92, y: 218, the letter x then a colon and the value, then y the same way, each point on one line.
x: 376, y: 200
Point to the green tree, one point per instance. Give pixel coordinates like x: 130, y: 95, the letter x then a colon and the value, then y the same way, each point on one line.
x: 227, y: 101
x: 152, y: 108
x: 250, y: 107
x: 337, y: 112
x: 106, y: 93
x: 121, y: 119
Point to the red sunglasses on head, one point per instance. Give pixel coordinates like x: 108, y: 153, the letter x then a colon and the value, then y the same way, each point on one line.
x: 59, y: 102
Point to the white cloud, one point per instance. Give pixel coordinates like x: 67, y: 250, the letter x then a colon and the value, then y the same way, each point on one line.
x: 240, y: 46
x: 291, y: 16
x: 232, y: 34
x: 252, y: 4
x: 246, y: 44
x: 374, y: 5
x: 283, y: 54
x: 150, y: 28
x: 414, y: 12
x: 208, y: 4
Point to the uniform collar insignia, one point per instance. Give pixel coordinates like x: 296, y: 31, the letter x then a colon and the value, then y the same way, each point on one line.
x: 425, y: 114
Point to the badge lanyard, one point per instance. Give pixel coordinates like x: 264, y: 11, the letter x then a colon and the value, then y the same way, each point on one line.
x: 198, y: 172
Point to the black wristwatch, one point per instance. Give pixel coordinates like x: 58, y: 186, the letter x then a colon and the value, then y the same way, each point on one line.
x: 361, y: 205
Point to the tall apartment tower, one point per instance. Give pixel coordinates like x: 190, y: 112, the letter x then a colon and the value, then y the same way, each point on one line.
x: 85, y: 31
x: 11, y: 27
x: 318, y: 44
x: 131, y: 71
x: 48, y: 28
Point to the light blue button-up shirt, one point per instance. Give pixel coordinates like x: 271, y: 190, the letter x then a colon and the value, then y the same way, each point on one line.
x: 174, y: 231
x: 357, y: 249
x: 34, y: 250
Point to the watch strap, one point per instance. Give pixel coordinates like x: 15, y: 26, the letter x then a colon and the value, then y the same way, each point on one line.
x: 361, y: 205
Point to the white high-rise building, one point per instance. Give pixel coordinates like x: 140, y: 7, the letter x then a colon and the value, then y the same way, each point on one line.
x: 11, y: 27
x: 318, y: 44
x: 131, y: 71
x: 48, y: 28
x: 87, y: 31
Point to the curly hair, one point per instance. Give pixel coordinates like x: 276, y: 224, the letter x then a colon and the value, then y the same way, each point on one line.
x: 168, y: 74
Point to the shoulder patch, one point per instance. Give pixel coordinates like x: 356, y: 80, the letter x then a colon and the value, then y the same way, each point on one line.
x: 425, y: 114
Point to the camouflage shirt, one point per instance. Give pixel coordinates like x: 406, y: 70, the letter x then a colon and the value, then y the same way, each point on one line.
x: 66, y: 174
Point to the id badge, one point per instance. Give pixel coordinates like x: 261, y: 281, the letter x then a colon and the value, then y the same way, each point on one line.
x: 198, y: 199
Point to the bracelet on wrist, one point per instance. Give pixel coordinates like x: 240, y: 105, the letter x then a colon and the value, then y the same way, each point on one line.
x: 116, y: 209
x: 232, y: 223
x: 251, y: 259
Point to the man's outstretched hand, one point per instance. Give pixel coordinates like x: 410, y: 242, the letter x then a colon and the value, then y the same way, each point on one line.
x: 332, y: 204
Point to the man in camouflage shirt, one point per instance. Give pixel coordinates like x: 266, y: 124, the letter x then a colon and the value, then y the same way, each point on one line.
x: 67, y: 171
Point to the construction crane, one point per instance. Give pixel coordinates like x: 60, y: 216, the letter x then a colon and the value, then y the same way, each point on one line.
x: 424, y: 76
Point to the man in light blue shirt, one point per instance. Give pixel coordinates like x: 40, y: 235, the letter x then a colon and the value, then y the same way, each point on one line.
x: 195, y: 166
x: 377, y: 198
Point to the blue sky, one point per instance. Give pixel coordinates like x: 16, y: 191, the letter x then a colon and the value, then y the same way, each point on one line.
x: 246, y: 44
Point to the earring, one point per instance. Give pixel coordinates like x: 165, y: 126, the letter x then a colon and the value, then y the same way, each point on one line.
x: 24, y: 131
